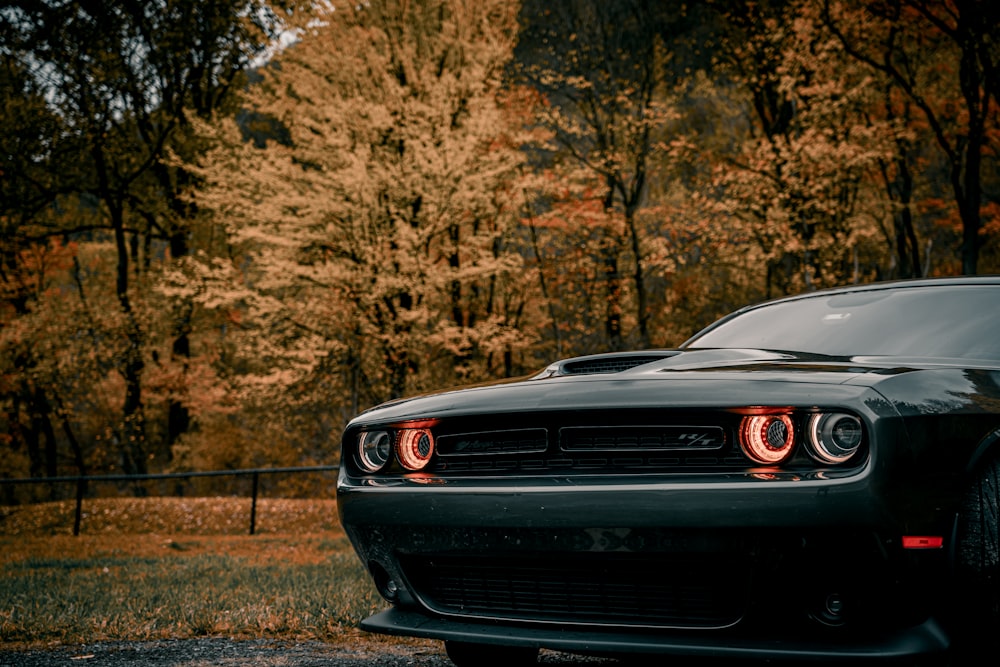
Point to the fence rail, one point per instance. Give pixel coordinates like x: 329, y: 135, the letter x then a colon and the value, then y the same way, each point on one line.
x: 82, y: 481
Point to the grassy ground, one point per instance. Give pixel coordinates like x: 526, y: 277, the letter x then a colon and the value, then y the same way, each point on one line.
x: 174, y: 567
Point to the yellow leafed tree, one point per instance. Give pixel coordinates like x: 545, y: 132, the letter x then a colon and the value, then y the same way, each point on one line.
x: 373, y: 230
x: 803, y: 191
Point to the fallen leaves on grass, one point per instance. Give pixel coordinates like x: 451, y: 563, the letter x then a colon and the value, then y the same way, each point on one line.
x: 171, y: 516
x: 151, y: 568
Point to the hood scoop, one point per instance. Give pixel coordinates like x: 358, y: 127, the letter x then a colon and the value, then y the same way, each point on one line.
x: 598, y: 364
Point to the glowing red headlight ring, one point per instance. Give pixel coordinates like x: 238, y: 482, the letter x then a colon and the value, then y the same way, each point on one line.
x: 755, y: 441
x: 415, y: 448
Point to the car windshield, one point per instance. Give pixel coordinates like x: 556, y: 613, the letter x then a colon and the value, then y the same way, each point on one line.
x: 959, y: 321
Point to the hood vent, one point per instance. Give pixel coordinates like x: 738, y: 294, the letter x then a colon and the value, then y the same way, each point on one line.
x: 610, y: 363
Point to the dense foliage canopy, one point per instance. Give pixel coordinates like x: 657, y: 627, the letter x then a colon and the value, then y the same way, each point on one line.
x: 228, y: 225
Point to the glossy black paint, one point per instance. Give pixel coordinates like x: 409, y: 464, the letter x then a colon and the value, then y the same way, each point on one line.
x: 769, y: 550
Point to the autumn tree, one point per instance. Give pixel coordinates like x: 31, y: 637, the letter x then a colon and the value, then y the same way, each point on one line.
x: 38, y: 187
x: 124, y: 79
x: 217, y: 248
x: 372, y: 243
x: 800, y: 185
x: 942, y: 57
x: 601, y: 68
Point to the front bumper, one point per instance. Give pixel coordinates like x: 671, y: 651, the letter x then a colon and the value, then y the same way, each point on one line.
x: 926, y: 638
x: 753, y: 565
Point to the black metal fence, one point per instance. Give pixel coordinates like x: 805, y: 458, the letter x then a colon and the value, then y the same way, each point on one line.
x: 83, y: 483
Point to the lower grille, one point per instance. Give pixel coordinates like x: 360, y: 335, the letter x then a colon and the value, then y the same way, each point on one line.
x: 647, y: 591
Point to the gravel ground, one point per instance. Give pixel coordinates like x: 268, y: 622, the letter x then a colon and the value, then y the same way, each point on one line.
x: 226, y: 653
x: 220, y: 652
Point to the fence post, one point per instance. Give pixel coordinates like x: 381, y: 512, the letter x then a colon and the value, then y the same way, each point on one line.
x: 253, y: 503
x: 81, y: 484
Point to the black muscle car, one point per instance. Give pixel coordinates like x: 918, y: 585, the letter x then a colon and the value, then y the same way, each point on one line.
x: 813, y: 477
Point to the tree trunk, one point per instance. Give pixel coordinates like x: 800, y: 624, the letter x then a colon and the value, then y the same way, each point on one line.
x: 133, y: 415
x: 973, y: 76
x: 906, y: 237
x: 178, y: 415
x: 610, y: 249
x: 638, y: 278
x: 133, y: 425
x: 543, y: 285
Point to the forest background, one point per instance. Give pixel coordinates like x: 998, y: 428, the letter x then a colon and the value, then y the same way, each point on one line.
x: 230, y: 225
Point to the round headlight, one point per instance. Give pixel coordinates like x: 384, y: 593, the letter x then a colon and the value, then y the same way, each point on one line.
x: 834, y: 437
x: 416, y: 446
x: 374, y: 450
x: 767, y: 439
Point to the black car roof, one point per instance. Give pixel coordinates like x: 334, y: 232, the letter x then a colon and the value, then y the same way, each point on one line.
x: 945, y: 281
x: 885, y: 285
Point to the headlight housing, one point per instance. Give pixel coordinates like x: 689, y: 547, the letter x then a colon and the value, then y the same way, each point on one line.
x: 374, y: 450
x: 412, y: 448
x: 767, y: 439
x: 415, y: 448
x: 834, y: 437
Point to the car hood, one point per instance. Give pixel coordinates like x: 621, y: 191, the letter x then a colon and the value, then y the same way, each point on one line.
x: 677, y: 378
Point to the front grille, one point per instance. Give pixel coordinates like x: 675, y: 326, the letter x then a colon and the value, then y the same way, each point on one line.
x: 641, y: 438
x: 589, y: 449
x: 665, y: 590
x: 587, y: 463
x: 519, y: 441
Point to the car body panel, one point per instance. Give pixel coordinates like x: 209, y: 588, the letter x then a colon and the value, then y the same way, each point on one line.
x: 528, y: 546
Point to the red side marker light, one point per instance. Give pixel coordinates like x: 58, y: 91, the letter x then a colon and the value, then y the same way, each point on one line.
x: 922, y: 542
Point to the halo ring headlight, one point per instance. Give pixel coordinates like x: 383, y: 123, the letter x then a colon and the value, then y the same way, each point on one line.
x: 834, y: 437
x: 415, y: 448
x: 767, y: 439
x: 374, y: 450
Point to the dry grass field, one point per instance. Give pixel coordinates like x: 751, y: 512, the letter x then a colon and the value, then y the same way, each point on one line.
x: 154, y: 568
